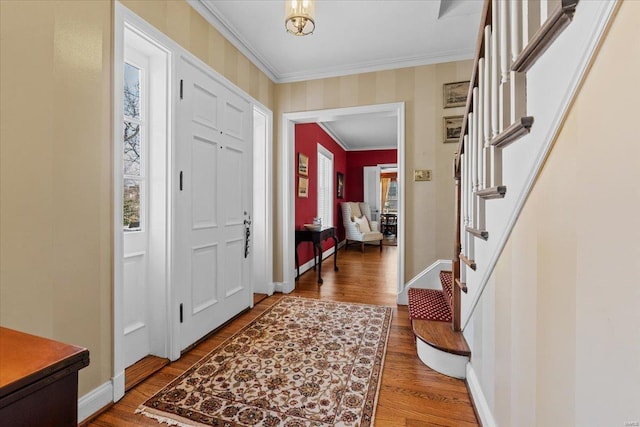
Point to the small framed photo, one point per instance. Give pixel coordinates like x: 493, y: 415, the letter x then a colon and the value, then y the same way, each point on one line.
x: 303, y: 165
x: 340, y: 185
x: 455, y: 94
x: 452, y: 127
x: 303, y: 187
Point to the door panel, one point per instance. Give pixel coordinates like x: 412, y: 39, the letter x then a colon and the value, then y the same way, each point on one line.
x: 204, y: 165
x: 214, y: 155
x: 136, y: 330
x: 204, y: 277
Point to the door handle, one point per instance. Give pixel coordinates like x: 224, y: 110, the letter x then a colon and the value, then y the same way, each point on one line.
x: 247, y: 235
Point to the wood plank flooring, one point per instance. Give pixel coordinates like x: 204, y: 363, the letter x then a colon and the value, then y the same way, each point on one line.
x: 142, y: 370
x: 411, y: 394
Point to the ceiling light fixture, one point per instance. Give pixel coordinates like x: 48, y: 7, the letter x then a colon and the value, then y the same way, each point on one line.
x: 299, y: 21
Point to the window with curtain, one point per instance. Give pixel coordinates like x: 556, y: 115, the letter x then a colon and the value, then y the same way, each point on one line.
x: 325, y: 185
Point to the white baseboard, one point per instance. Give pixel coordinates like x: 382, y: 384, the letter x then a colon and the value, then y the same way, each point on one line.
x: 118, y: 386
x: 283, y: 287
x: 95, y: 400
x: 429, y: 278
x: 326, y: 254
x: 271, y: 287
x: 479, y: 401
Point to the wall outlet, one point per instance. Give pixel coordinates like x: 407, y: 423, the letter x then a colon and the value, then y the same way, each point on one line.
x: 422, y: 174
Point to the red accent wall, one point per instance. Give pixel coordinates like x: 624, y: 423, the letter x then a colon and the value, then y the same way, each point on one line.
x: 307, y: 137
x: 356, y: 161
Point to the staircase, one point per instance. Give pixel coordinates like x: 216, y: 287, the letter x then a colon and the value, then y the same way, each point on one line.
x: 438, y: 345
x: 530, y: 59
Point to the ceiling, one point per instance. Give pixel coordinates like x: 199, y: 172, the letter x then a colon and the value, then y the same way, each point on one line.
x: 351, y: 36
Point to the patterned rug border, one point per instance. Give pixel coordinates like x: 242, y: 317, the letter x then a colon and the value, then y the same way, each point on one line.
x: 176, y: 420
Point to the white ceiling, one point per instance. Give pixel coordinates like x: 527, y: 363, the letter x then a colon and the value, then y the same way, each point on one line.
x: 351, y: 36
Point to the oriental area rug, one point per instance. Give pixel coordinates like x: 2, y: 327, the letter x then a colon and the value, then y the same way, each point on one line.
x: 303, y: 362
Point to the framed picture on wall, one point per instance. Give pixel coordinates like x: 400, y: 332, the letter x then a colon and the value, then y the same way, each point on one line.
x: 303, y: 165
x: 452, y: 127
x: 455, y: 94
x: 340, y: 185
x: 303, y: 187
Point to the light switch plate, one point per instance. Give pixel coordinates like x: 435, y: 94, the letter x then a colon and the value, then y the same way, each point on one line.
x: 422, y: 174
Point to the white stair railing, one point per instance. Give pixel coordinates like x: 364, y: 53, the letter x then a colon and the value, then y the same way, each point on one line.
x: 513, y: 35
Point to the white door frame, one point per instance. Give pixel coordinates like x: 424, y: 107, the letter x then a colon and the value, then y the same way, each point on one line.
x: 286, y: 196
x: 262, y: 224
x: 124, y: 17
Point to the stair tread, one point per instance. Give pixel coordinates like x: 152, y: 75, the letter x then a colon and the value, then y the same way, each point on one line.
x: 428, y: 304
x: 441, y: 336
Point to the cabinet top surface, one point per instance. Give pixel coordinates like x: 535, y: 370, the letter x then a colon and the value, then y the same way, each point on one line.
x: 26, y: 358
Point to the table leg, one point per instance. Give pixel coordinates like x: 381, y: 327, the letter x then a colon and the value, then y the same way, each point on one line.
x: 297, y: 263
x: 314, y: 256
x: 335, y: 253
x: 320, y: 263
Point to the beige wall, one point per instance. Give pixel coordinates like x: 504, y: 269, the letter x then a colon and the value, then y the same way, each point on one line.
x: 55, y: 175
x: 189, y: 29
x: 55, y: 190
x: 556, y: 336
x: 429, y: 205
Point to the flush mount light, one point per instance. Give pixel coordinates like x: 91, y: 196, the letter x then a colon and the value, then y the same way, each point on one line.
x: 299, y: 17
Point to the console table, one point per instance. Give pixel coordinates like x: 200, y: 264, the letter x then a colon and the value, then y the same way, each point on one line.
x: 317, y: 237
x: 38, y: 380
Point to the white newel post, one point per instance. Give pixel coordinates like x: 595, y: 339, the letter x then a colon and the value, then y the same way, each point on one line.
x: 463, y: 199
x: 504, y: 97
x: 495, y: 90
x: 518, y: 80
x: 475, y: 165
x: 486, y: 166
x: 495, y: 69
x: 480, y: 114
x: 529, y: 16
x: 479, y: 212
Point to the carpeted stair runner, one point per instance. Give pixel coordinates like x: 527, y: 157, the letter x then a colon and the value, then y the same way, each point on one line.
x: 432, y: 304
x: 428, y: 304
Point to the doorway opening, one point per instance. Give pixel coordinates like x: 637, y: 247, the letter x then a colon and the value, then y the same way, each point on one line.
x: 287, y: 169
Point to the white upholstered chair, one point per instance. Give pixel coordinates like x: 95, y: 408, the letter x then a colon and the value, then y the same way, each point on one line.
x: 358, y: 227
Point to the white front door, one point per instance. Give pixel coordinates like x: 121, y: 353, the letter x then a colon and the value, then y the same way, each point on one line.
x: 213, y: 203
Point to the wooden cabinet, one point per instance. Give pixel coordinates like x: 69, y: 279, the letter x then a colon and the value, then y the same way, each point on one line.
x: 38, y: 380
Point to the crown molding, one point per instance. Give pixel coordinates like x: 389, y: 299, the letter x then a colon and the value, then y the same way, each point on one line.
x: 333, y: 136
x: 211, y: 15
x: 381, y: 65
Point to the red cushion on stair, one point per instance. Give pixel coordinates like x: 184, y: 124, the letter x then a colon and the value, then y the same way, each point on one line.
x: 446, y: 279
x: 428, y: 304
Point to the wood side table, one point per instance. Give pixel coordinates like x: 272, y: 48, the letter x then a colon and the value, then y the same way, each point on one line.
x: 317, y: 237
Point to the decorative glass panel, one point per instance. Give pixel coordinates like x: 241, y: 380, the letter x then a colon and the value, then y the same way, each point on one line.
x: 131, y: 205
x: 131, y: 91
x: 131, y: 149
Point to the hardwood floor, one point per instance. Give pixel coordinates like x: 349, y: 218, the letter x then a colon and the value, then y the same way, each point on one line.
x: 411, y: 394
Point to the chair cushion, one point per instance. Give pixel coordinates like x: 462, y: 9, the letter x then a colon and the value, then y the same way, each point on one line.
x: 363, y: 224
x: 355, y: 210
x: 371, y: 236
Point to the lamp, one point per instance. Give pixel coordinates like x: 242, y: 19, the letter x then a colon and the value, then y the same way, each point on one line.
x: 299, y: 21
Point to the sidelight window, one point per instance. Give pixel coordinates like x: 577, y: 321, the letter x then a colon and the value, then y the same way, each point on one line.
x: 133, y: 148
